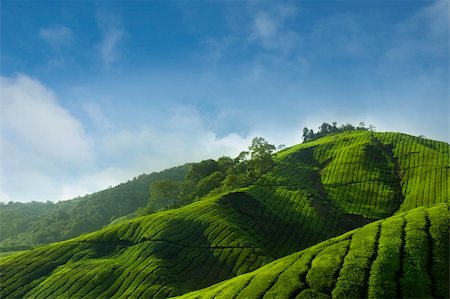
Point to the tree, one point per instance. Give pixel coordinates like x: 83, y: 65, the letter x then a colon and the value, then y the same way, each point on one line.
x: 186, y: 190
x: 325, y: 128
x: 163, y: 194
x: 347, y: 127
x: 208, y: 184
x: 309, y: 135
x: 261, y: 155
x: 235, y: 180
x: 260, y: 148
x: 201, y: 170
x: 361, y: 126
x: 242, y: 157
x: 225, y: 163
x: 334, y: 128
x: 305, y: 134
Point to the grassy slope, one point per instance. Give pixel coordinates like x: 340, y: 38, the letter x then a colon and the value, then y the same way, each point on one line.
x: 316, y: 190
x: 27, y: 224
x: 405, y: 255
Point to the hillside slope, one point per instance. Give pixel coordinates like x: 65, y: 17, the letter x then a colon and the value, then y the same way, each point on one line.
x: 23, y: 225
x: 316, y: 190
x: 403, y: 256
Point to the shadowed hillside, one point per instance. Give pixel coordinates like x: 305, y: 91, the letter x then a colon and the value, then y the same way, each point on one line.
x: 23, y: 225
x: 402, y: 256
x: 315, y: 191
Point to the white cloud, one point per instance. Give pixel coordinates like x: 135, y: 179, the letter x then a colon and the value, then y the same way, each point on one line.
x: 424, y: 36
x: 112, y: 34
x: 32, y: 114
x: 4, y: 197
x: 264, y: 27
x: 184, y: 137
x: 271, y: 29
x: 57, y: 36
x: 94, y: 181
x: 109, y: 46
x: 216, y: 48
x: 439, y: 17
x: 123, y: 141
x: 97, y: 116
x: 45, y: 148
x: 342, y: 35
x: 231, y: 144
x: 434, y: 18
x: 129, y: 153
x: 39, y: 139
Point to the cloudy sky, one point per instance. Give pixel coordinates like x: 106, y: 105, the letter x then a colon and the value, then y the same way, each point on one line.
x: 95, y: 93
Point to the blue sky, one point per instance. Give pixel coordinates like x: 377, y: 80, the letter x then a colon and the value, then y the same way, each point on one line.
x: 95, y: 93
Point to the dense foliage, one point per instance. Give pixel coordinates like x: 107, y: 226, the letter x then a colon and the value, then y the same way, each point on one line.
x: 210, y: 177
x: 314, y: 191
x: 327, y: 129
x: 27, y: 224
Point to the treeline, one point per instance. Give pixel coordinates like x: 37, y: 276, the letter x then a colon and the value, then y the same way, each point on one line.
x: 24, y: 225
x: 211, y: 177
x: 327, y: 129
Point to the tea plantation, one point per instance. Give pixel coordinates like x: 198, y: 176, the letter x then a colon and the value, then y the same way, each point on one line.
x: 402, y: 256
x: 316, y: 191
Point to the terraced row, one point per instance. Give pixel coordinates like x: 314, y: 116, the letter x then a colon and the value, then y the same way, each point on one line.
x: 402, y: 256
x: 319, y: 162
x: 423, y: 167
x: 365, y: 173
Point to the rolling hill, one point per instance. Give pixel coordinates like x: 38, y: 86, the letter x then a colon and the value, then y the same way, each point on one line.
x: 405, y: 255
x: 315, y: 191
x: 23, y: 225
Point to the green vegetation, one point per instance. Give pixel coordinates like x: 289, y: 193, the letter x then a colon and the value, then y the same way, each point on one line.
x: 210, y: 177
x: 23, y: 225
x: 385, y: 269
x: 296, y: 206
x: 327, y: 129
x: 330, y: 269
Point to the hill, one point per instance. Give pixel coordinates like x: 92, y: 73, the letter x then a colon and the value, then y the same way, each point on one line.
x: 315, y: 191
x: 23, y: 225
x: 403, y: 256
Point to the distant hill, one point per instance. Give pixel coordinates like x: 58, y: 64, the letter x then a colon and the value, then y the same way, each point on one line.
x: 315, y: 191
x: 23, y: 225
